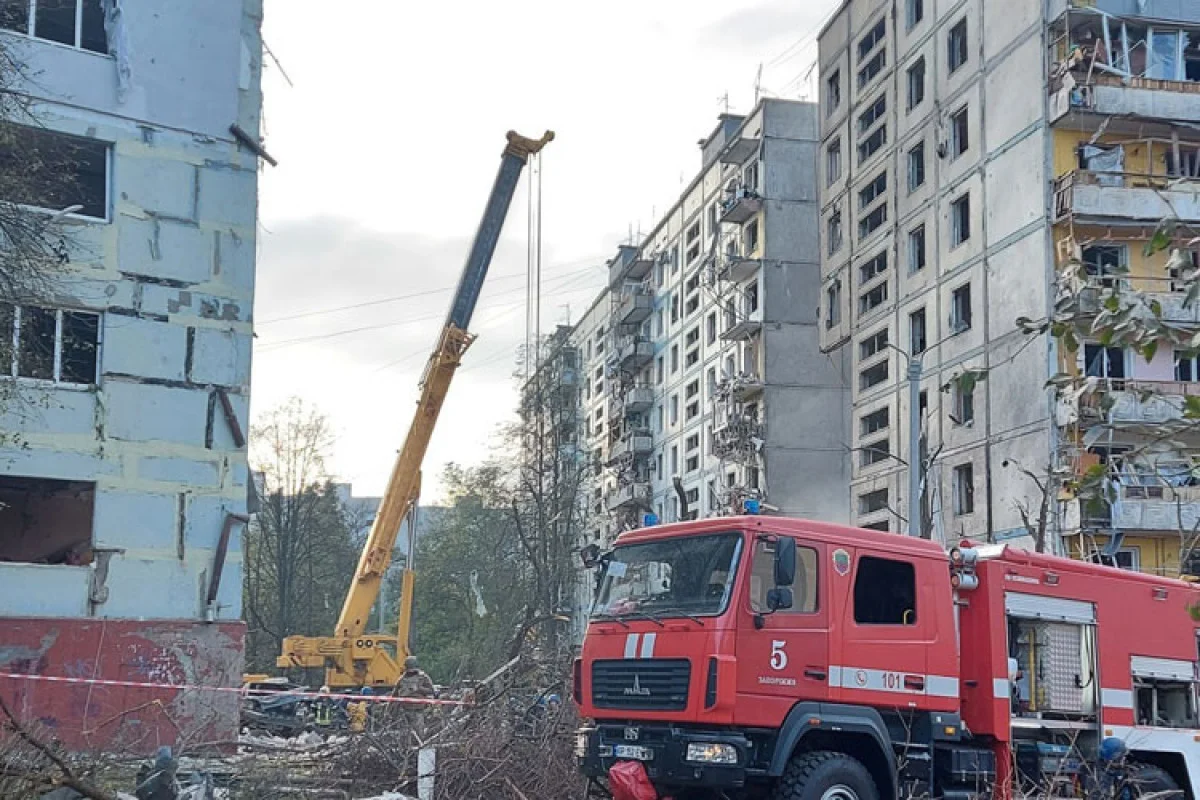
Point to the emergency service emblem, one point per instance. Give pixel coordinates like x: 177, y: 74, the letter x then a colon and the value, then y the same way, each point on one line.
x: 841, y: 562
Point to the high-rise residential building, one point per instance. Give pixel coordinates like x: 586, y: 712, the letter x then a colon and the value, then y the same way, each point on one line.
x: 702, y: 385
x: 123, y: 470
x: 971, y: 152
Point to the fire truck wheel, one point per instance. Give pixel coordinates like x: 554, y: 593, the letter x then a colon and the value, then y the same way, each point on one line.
x: 1147, y: 779
x: 825, y: 775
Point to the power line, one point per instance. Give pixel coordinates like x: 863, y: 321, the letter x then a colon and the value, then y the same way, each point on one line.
x: 270, y: 347
x: 396, y: 298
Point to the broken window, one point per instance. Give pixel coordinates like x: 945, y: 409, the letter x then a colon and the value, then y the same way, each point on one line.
x: 45, y: 521
x: 1103, y: 362
x: 76, y: 23
x: 1107, y: 163
x: 49, y: 344
x: 874, y: 501
x: 1105, y: 263
x: 834, y: 232
x: 60, y: 171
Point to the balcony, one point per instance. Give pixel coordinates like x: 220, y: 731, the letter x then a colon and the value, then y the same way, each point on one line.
x: 739, y: 150
x: 634, y: 306
x: 745, y: 386
x: 743, y: 330
x: 632, y: 495
x: 639, y: 399
x: 1083, y: 194
x: 736, y: 268
x: 742, y: 204
x: 1114, y: 96
x: 635, y: 354
x: 1139, y: 402
x: 1150, y: 508
x: 635, y: 445
x: 633, y: 268
x: 1169, y: 293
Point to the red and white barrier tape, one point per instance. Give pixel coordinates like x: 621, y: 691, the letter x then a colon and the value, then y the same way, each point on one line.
x: 375, y: 698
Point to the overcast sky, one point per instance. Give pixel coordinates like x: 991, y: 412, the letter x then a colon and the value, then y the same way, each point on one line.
x: 388, y: 142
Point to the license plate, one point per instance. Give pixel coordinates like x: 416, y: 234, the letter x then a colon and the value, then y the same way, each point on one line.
x: 633, y: 751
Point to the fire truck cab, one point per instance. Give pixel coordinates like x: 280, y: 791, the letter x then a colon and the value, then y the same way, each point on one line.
x: 773, y: 657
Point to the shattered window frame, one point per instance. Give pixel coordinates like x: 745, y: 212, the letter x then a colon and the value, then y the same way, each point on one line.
x: 83, y: 25
x: 72, y: 358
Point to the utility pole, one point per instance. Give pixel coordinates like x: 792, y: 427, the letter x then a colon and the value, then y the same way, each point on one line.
x: 914, y: 445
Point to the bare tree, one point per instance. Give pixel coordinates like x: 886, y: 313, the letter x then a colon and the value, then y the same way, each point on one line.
x: 299, y: 550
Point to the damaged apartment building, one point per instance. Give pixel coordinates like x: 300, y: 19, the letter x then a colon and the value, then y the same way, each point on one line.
x: 971, y: 153
x: 702, y: 389
x: 125, y: 379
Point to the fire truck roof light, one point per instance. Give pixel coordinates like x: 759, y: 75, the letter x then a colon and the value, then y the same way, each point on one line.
x: 751, y: 505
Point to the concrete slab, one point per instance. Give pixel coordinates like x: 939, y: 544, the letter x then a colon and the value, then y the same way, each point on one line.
x: 221, y: 358
x: 143, y: 347
x: 143, y: 412
x: 140, y: 520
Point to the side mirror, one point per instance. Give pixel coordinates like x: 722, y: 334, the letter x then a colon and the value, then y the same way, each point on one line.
x: 779, y: 597
x: 785, y: 561
x: 590, y: 556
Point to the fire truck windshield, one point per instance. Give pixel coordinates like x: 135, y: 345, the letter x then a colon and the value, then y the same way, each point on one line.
x: 681, y: 576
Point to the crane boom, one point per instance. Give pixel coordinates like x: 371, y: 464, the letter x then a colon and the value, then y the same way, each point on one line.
x: 350, y: 657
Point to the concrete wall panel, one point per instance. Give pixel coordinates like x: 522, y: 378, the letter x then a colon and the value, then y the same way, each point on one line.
x: 40, y: 590
x: 142, y: 412
x: 1012, y: 102
x: 1016, y: 190
x: 221, y: 357
x: 144, y: 348
x: 136, y: 520
x: 227, y: 196
x: 161, y: 186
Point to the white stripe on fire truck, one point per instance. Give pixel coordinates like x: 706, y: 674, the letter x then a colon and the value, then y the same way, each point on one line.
x: 881, y: 680
x: 631, y: 643
x: 647, y: 645
x: 1116, y: 698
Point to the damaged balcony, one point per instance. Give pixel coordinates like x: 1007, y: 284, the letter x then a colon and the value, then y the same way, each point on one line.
x: 1090, y: 195
x: 1155, y: 507
x: 1131, y: 403
x: 736, y: 269
x: 745, y: 386
x: 631, y: 495
x: 1169, y: 293
x: 635, y: 445
x: 635, y: 354
x: 634, y: 305
x: 629, y: 264
x: 638, y: 400
x: 742, y: 204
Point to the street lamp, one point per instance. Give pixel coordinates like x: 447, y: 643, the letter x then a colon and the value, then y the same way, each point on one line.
x: 914, y: 431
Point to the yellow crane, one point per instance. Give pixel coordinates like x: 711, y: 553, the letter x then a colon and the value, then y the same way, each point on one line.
x: 351, y: 657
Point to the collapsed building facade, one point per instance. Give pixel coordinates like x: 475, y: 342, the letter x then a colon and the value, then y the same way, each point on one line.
x: 123, y: 468
x: 955, y: 198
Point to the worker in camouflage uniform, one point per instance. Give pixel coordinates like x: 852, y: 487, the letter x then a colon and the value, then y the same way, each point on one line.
x: 415, y: 682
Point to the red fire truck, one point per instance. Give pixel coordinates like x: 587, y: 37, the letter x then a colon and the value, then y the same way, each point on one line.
x: 781, y: 658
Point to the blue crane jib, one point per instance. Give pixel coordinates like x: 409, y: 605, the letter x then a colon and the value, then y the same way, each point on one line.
x: 516, y: 154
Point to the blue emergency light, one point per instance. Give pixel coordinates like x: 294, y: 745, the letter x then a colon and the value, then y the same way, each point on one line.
x: 649, y: 520
x: 751, y: 506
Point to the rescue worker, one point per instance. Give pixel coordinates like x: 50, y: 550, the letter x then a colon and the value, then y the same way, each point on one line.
x: 323, y: 709
x: 415, y: 682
